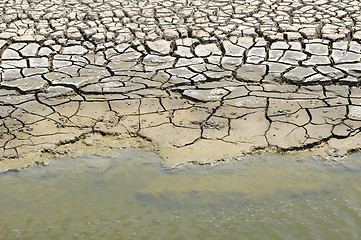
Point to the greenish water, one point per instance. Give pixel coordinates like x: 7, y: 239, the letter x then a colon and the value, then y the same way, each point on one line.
x: 134, y: 197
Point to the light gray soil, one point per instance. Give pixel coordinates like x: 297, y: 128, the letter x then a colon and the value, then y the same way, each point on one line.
x: 196, y: 81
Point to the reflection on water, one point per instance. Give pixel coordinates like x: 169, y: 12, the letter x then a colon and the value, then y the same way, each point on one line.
x: 133, y: 197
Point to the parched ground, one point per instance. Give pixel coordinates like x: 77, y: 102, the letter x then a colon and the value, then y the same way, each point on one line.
x: 197, y: 81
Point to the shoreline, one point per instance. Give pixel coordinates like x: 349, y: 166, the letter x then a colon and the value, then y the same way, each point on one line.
x: 110, y: 145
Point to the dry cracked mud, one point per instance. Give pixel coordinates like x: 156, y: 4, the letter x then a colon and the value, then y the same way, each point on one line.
x: 197, y: 81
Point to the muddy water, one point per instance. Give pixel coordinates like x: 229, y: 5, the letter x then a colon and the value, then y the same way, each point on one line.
x: 134, y: 197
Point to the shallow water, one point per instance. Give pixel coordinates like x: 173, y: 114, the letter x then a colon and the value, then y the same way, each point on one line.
x: 134, y: 197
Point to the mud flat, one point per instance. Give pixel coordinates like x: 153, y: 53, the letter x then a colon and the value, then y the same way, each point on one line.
x: 197, y: 82
x: 181, y: 130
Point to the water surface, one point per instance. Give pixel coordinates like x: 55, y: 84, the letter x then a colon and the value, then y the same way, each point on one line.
x: 134, y: 197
